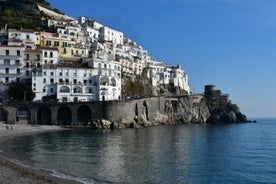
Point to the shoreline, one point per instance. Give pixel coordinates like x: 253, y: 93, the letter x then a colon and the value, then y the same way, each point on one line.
x: 12, y: 172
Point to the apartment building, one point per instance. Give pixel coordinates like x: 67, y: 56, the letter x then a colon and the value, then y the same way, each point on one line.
x: 11, y: 63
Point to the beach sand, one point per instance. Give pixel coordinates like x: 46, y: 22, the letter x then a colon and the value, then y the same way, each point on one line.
x: 12, y: 173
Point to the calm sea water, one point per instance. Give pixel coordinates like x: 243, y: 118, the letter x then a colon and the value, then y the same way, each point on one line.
x: 226, y: 153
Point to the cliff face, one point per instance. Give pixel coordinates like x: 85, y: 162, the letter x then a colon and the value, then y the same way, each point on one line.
x: 186, y: 110
x: 210, y: 107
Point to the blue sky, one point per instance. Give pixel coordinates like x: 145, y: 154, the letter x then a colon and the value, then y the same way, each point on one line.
x: 228, y: 43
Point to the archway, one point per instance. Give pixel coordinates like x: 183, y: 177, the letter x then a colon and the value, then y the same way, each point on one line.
x: 84, y: 114
x: 23, y: 115
x: 136, y: 110
x: 146, y: 110
x: 64, y: 116
x: 3, y: 115
x: 44, y: 116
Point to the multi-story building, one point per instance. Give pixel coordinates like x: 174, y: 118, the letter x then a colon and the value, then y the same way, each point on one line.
x: 74, y: 81
x: 11, y: 63
x: 21, y: 37
x: 32, y: 60
x: 108, y: 79
x: 162, y: 74
x: 179, y: 78
x: 69, y: 82
x: 108, y: 34
x: 49, y: 55
x: 66, y: 47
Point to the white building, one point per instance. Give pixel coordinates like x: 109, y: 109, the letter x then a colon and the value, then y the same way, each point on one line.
x: 49, y: 55
x: 180, y: 78
x: 108, y: 79
x: 108, y: 34
x: 74, y: 82
x: 19, y: 37
x: 11, y: 63
x: 162, y: 74
x: 69, y: 83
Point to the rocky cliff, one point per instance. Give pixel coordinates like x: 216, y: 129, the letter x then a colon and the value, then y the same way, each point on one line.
x: 210, y: 107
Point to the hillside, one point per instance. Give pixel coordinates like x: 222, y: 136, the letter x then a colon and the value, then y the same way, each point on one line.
x: 21, y: 14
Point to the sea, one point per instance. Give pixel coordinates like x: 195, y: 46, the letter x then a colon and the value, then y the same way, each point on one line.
x: 188, y: 153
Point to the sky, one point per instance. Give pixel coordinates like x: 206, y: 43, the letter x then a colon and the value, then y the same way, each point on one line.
x: 227, y: 43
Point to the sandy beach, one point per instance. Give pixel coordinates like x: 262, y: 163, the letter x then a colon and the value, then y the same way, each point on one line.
x: 12, y: 173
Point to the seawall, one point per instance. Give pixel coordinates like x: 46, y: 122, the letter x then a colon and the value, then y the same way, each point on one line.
x: 126, y: 113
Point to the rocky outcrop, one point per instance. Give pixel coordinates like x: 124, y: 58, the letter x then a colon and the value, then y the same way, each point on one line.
x: 210, y: 107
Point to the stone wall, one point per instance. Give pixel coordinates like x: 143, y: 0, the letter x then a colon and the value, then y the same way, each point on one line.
x: 130, y: 113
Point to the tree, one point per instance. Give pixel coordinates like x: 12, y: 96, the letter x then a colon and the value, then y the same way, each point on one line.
x: 21, y: 91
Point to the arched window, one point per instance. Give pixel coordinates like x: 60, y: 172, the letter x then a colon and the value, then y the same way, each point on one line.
x: 113, y: 82
x: 64, y: 89
x: 104, y: 81
x: 77, y: 89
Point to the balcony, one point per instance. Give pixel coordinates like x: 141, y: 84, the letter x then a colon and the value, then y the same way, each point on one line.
x: 18, y: 74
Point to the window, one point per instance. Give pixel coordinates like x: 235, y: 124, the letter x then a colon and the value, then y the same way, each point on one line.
x: 51, y: 54
x: 18, y: 52
x: 52, y: 73
x: 64, y: 44
x: 60, y: 73
x: 56, y: 43
x: 27, y: 57
x: 52, y: 90
x: 45, y: 54
x: 7, y: 70
x: 44, y: 73
x: 44, y: 90
x: 18, y: 71
x: 6, y: 79
x: 52, y: 81
x: 17, y: 62
x: 75, y: 81
x: 44, y: 81
x: 48, y: 43
x: 37, y: 57
x: 7, y: 52
x: 6, y: 61
x: 28, y: 37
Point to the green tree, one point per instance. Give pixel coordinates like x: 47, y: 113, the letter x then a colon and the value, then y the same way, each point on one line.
x: 21, y: 91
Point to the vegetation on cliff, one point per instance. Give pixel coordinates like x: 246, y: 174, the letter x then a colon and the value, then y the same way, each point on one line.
x: 21, y: 14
